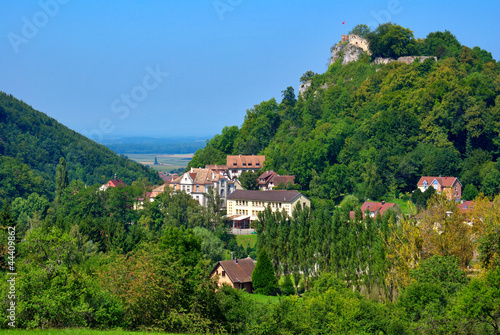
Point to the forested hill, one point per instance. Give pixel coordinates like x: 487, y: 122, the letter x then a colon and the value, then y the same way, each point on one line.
x: 31, y: 144
x: 373, y: 130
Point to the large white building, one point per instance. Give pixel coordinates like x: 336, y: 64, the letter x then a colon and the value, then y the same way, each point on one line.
x: 243, y: 206
x: 198, y: 182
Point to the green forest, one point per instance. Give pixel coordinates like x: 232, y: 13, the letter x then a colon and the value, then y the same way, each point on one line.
x: 73, y: 256
x: 31, y: 144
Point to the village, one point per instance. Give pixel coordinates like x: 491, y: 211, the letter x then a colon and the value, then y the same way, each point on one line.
x: 242, y: 207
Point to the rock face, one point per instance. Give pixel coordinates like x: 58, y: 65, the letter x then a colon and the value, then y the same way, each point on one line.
x: 303, y: 87
x: 349, y: 52
x: 405, y: 59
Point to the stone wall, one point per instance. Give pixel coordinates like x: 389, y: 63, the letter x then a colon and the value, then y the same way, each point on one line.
x: 404, y: 59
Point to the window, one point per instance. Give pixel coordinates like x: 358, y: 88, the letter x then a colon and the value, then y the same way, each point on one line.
x: 197, y: 188
x: 256, y: 164
x: 249, y: 164
x: 223, y: 273
x: 244, y: 164
x: 280, y: 204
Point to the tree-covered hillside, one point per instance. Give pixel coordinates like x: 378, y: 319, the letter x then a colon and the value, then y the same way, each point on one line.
x: 374, y: 129
x: 31, y: 144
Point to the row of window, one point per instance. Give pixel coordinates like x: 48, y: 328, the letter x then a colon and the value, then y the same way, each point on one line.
x: 242, y: 211
x: 245, y: 164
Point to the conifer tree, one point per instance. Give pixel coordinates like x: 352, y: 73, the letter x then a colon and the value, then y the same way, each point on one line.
x: 263, y: 279
x: 61, y: 178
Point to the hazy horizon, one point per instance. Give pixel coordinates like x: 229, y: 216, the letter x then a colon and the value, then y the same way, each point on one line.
x: 170, y: 69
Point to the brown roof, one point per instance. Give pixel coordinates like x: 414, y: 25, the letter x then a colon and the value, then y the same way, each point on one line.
x: 245, y: 162
x: 280, y: 195
x: 443, y: 181
x: 239, y: 271
x: 282, y: 179
x: 216, y: 167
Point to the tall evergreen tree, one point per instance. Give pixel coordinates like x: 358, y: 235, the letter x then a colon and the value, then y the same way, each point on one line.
x: 263, y: 278
x: 61, y: 178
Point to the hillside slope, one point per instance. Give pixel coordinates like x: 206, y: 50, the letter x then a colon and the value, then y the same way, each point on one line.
x: 373, y: 129
x: 31, y: 144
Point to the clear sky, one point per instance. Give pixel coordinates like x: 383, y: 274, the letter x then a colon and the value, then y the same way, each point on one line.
x: 188, y: 68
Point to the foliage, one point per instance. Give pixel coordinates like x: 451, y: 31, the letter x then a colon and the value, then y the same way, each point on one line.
x: 444, y: 231
x: 391, y: 40
x: 263, y: 278
x: 479, y: 302
x: 362, y: 30
x: 249, y: 180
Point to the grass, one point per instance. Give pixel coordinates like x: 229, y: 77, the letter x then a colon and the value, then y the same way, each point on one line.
x: 247, y: 240
x: 166, y: 163
x: 403, y: 204
x: 263, y: 299
x: 76, y: 331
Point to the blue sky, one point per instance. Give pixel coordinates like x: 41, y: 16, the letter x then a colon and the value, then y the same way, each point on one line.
x: 188, y: 68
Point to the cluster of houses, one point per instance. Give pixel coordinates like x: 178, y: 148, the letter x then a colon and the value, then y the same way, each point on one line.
x: 243, y: 206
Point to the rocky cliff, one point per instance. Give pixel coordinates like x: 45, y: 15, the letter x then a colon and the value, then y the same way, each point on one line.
x: 348, y: 52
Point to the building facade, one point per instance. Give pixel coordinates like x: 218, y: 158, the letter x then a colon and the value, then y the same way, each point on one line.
x: 449, y: 186
x: 198, y: 182
x: 236, y: 165
x: 245, y: 205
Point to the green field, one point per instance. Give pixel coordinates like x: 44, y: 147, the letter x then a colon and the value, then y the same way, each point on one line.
x: 167, y: 163
x: 247, y: 240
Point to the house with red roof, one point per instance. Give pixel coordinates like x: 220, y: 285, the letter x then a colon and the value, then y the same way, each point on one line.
x: 374, y: 208
x: 112, y: 183
x: 449, y: 186
x: 270, y: 179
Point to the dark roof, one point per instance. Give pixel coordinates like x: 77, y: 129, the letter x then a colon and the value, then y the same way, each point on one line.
x: 280, y: 195
x: 240, y: 271
x: 263, y: 178
x: 282, y: 179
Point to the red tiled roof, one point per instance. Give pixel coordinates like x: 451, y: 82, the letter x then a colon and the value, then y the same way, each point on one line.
x: 116, y: 182
x: 443, y: 181
x: 376, y: 207
x: 240, y: 271
x: 245, y: 162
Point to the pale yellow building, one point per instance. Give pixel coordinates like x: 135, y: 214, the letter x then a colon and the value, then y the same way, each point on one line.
x: 244, y: 206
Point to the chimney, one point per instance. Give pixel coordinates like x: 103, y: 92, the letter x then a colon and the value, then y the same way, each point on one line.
x: 236, y: 260
x: 383, y: 202
x: 231, y: 255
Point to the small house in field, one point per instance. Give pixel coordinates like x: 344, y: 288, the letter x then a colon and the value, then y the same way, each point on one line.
x: 237, y: 273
